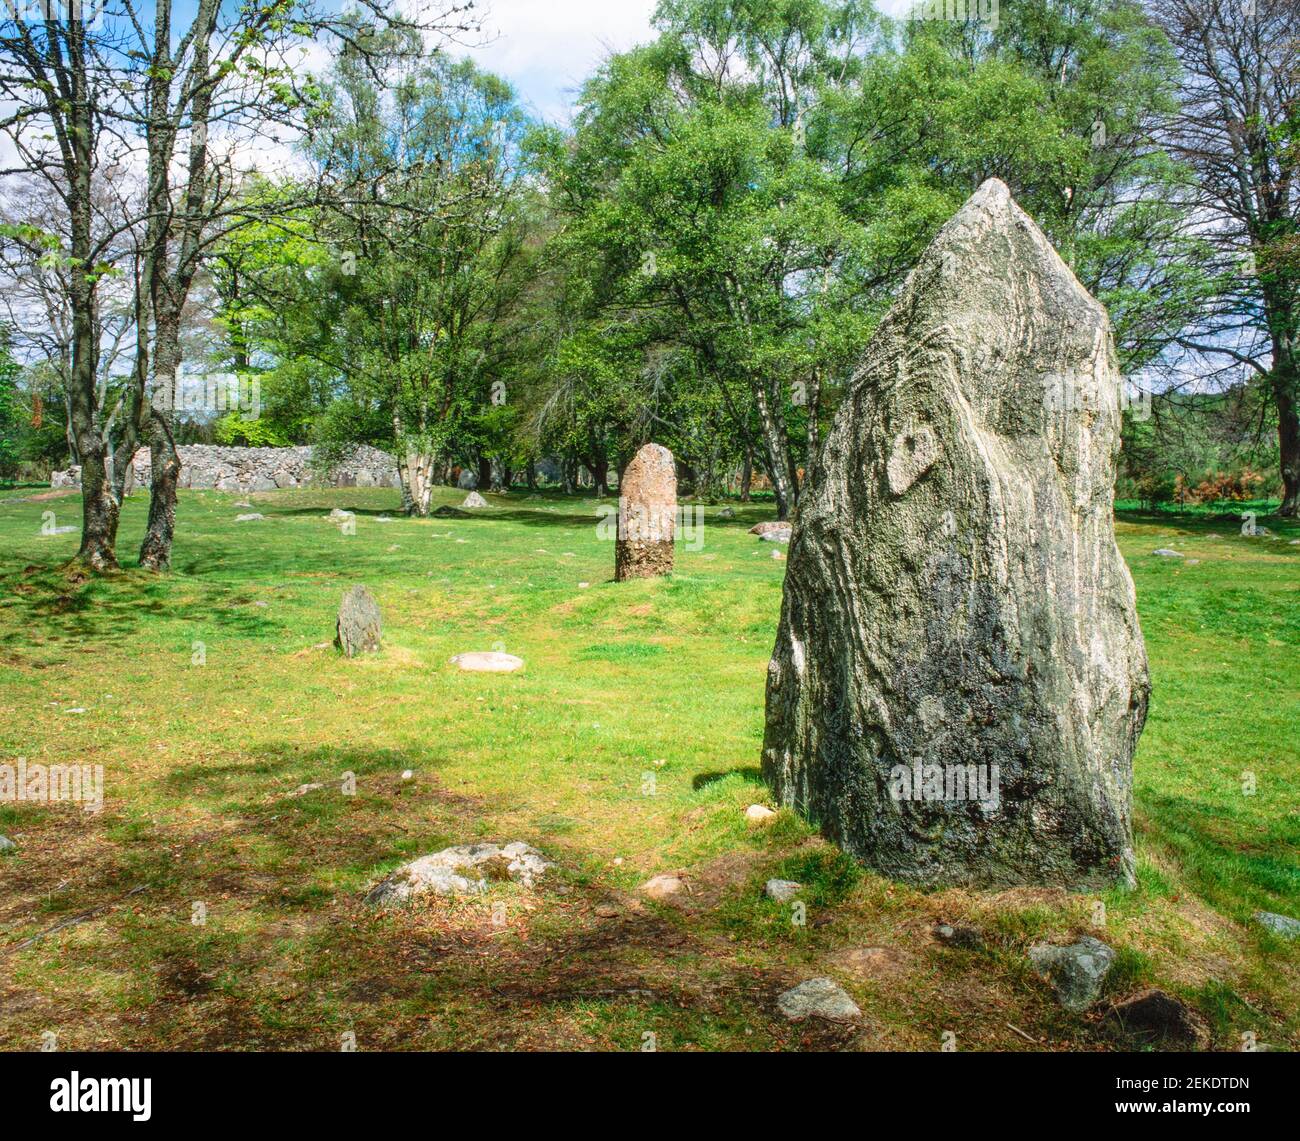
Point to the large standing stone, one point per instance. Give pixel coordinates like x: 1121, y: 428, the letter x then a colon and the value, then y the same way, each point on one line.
x: 647, y: 515
x: 359, y: 627
x: 955, y: 607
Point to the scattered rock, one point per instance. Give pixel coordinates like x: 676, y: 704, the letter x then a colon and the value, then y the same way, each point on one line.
x: 359, y: 627
x: 339, y: 515
x: 759, y: 813
x: 817, y: 998
x: 304, y: 789
x: 662, y: 886
x: 1156, y: 1017
x: 252, y: 518
x: 727, y: 513
x: 488, y: 661
x: 407, y: 774
x: 474, y: 499
x: 7, y: 845
x: 462, y: 870
x: 1166, y: 553
x: 772, y: 527
x: 783, y: 891
x: 1076, y: 972
x: 647, y: 515
x: 1282, y: 925
x: 65, y: 530
x: 956, y: 591
x: 960, y: 936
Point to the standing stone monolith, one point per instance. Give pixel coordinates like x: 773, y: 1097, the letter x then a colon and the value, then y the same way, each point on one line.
x: 359, y: 626
x: 959, y: 680
x: 647, y: 515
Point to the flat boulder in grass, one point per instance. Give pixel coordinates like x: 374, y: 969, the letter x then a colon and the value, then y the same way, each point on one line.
x: 359, y: 626
x: 954, y: 601
x: 773, y: 532
x: 817, y: 998
x: 1282, y: 925
x: 466, y: 869
x: 488, y: 661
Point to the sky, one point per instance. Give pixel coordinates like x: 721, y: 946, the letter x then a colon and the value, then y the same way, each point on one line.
x: 546, y: 48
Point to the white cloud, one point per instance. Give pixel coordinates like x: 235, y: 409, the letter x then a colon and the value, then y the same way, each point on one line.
x: 546, y: 48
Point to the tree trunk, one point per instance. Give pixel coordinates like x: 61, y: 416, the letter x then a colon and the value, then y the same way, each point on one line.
x: 164, y: 476
x: 600, y: 478
x: 746, y: 476
x: 777, y: 452
x: 530, y: 474
x: 100, y: 508
x: 1283, y: 379
x: 569, y: 469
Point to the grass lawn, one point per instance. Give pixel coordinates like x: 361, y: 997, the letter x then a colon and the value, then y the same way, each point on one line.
x: 212, y: 693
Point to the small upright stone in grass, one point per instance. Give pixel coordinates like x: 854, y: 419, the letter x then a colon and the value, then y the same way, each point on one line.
x: 1076, y: 972
x: 359, y: 627
x: 474, y: 499
x: 488, y: 661
x: 647, y: 515
x: 817, y: 998
x: 1282, y: 925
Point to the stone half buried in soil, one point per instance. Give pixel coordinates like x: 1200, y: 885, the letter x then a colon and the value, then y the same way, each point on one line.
x: 954, y: 604
x: 466, y: 869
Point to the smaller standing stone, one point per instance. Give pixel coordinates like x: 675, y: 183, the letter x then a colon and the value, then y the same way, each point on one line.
x: 647, y: 515
x: 474, y: 499
x: 817, y: 998
x: 359, y: 626
x: 1076, y: 972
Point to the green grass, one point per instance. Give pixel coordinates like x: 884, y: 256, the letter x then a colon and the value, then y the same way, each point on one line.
x: 663, y: 678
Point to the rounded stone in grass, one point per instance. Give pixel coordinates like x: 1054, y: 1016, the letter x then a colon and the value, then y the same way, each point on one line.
x: 817, y: 998
x: 359, y: 625
x: 7, y: 845
x: 782, y: 891
x: 488, y: 661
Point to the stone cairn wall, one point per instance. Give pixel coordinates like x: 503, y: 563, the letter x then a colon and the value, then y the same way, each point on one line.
x: 258, y: 469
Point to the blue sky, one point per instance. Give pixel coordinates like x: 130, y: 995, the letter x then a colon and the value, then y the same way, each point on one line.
x: 546, y: 48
